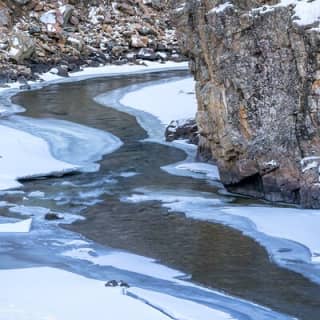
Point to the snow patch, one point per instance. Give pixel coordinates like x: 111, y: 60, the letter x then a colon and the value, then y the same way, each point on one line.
x: 23, y: 155
x: 221, y: 8
x: 29, y: 295
x: 306, y: 12
x: 23, y: 226
x: 178, y: 308
x: 126, y: 261
x: 209, y: 170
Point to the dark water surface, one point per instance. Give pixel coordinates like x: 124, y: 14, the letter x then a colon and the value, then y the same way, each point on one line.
x: 215, y: 256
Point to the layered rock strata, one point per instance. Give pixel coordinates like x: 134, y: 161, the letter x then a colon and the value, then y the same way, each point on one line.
x: 257, y: 67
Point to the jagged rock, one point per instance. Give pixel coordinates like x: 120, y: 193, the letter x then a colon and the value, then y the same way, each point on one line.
x: 183, y: 129
x: 22, y: 46
x: 5, y: 17
x: 147, y: 54
x: 258, y: 78
x: 138, y: 41
x: 66, y: 12
x: 53, y: 216
x: 111, y: 283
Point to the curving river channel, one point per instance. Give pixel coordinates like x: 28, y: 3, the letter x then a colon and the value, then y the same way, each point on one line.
x: 211, y: 255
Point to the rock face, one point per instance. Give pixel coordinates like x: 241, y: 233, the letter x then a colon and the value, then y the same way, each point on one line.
x: 183, y: 130
x: 257, y: 67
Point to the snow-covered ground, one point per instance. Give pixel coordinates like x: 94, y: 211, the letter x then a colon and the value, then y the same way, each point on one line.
x: 23, y: 155
x: 23, y: 226
x: 53, y: 294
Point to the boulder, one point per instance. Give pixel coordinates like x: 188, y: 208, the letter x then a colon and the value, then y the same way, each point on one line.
x: 22, y: 46
x: 53, y: 216
x: 183, y: 130
x: 5, y: 17
x: 138, y: 41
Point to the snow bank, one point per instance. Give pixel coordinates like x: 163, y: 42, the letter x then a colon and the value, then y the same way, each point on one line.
x: 23, y: 226
x: 178, y: 308
x: 29, y: 295
x: 23, y: 155
x: 167, y: 101
x: 209, y: 170
x: 297, y: 225
x: 126, y: 261
x: 74, y: 143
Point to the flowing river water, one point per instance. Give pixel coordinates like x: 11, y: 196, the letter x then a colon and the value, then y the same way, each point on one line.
x: 215, y: 256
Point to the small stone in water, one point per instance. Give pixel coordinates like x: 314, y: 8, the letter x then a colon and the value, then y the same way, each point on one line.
x: 53, y: 216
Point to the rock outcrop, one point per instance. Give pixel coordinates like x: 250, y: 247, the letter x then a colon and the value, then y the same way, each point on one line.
x: 37, y: 35
x: 257, y: 67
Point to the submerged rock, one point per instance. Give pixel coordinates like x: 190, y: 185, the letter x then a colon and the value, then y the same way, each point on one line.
x: 257, y: 66
x: 114, y: 283
x: 53, y: 216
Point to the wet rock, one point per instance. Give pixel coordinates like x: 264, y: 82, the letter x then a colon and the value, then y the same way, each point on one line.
x: 111, y: 283
x: 114, y: 283
x: 25, y: 86
x: 53, y: 216
x: 183, y: 130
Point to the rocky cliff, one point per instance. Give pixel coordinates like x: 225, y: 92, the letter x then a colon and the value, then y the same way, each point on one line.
x: 37, y: 35
x: 257, y: 67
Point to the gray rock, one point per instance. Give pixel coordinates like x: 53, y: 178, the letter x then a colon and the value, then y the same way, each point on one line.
x: 22, y: 46
x: 21, y: 2
x: 182, y: 130
x: 53, y: 216
x: 258, y: 91
x: 5, y: 18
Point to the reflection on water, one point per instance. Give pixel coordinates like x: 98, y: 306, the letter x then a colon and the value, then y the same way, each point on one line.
x: 214, y: 255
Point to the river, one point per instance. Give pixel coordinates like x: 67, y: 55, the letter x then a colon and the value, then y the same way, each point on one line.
x: 212, y: 255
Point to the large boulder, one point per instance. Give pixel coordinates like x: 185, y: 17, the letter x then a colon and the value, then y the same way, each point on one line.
x: 257, y: 67
x: 5, y: 17
x: 22, y: 46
